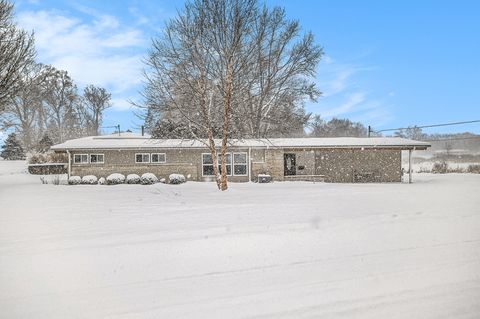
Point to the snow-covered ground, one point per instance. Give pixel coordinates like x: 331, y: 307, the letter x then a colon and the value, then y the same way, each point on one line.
x: 280, y: 250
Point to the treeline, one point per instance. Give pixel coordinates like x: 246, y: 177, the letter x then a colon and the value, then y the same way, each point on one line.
x: 38, y: 101
x: 307, y: 126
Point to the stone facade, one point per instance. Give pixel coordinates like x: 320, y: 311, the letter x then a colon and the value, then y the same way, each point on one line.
x: 359, y: 165
x: 187, y: 162
x: 338, y: 165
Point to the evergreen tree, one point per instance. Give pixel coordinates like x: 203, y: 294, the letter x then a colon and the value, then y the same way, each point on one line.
x: 12, y: 150
x: 44, y: 144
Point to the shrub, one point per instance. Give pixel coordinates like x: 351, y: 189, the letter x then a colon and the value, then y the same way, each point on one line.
x: 133, y: 179
x: 457, y: 169
x: 37, y: 159
x: 149, y: 178
x: 57, y: 158
x: 439, y: 168
x: 162, y: 180
x: 89, y: 179
x: 115, y: 178
x: 102, y: 181
x: 54, y: 180
x: 474, y: 168
x: 74, y: 180
x: 176, y: 179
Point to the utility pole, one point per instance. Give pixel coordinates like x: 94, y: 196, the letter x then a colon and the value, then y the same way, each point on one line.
x: 369, y: 130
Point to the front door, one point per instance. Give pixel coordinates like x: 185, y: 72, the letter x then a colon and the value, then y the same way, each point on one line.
x: 289, y: 164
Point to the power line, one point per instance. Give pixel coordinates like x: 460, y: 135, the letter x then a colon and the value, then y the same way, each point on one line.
x: 370, y: 130
x: 425, y: 126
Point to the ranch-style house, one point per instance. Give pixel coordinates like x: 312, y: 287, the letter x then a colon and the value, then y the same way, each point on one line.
x: 338, y: 160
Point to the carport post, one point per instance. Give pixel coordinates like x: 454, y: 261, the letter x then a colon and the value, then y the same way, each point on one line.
x: 69, y: 163
x: 410, y: 166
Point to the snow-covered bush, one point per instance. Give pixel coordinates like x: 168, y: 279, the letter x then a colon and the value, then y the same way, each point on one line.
x: 56, y: 179
x: 176, y: 179
x: 149, y: 178
x: 37, y: 159
x: 102, y: 181
x: 57, y: 158
x: 115, y: 178
x: 133, y: 179
x: 474, y: 168
x: 74, y: 180
x: 90, y: 180
x: 440, y: 168
x: 162, y: 180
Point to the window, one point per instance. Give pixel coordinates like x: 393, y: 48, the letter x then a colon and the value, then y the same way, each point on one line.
x: 207, y: 164
x: 228, y: 163
x: 159, y: 158
x: 142, y: 158
x: 80, y: 158
x: 96, y: 158
x: 240, y: 164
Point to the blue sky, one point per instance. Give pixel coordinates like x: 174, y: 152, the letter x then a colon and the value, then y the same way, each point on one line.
x: 387, y: 63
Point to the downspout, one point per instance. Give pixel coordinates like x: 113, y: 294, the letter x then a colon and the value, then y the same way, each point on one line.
x: 69, y: 163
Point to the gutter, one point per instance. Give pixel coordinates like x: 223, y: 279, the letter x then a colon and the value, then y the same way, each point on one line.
x: 403, y: 147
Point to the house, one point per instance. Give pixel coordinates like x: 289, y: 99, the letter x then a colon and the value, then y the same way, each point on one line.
x: 343, y: 160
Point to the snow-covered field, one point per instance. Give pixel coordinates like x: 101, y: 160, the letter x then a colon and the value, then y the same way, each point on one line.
x: 281, y: 250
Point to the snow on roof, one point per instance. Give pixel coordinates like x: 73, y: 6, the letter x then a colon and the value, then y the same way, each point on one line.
x: 136, y: 141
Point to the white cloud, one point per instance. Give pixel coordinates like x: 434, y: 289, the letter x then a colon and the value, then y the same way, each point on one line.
x: 346, y: 93
x: 141, y: 18
x: 100, y: 51
x: 121, y: 104
x: 354, y: 100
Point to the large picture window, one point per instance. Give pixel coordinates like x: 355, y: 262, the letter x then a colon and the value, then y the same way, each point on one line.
x: 142, y: 158
x: 80, y: 158
x: 96, y: 158
x: 239, y: 164
x: 159, y: 158
x: 207, y: 164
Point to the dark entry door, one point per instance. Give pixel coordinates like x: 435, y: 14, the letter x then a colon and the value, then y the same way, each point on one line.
x: 289, y: 164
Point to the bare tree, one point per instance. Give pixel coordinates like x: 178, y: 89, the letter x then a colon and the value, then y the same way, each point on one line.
x: 280, y: 76
x: 229, y: 68
x: 22, y: 110
x: 194, y: 69
x: 16, y: 53
x: 412, y: 132
x: 60, y: 105
x: 336, y: 128
x: 97, y: 101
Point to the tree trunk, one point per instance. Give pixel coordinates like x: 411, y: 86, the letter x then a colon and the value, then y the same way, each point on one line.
x: 213, y: 152
x: 227, y: 107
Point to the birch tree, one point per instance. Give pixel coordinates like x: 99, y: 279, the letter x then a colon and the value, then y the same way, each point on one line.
x: 230, y: 68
